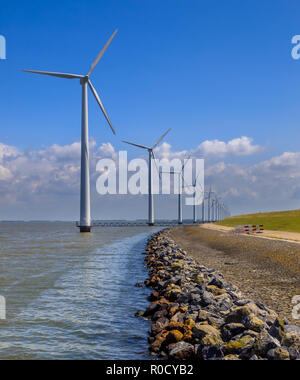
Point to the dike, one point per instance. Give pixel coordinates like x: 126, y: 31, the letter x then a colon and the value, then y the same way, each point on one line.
x: 197, y: 315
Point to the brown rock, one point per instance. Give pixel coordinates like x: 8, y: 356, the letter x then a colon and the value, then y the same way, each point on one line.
x: 159, y: 340
x: 174, y: 336
x: 215, y: 290
x: 238, y: 314
x: 201, y: 331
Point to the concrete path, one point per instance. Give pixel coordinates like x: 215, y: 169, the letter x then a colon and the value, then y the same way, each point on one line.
x: 278, y: 235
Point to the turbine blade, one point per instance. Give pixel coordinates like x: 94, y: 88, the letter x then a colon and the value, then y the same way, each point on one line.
x: 184, y: 183
x: 157, y: 168
x: 58, y: 75
x: 185, y: 161
x: 139, y: 146
x: 101, y: 106
x: 100, y: 55
x: 161, y: 138
x: 197, y: 179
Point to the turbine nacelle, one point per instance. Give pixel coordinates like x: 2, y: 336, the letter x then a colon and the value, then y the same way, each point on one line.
x: 84, y: 79
x: 150, y: 150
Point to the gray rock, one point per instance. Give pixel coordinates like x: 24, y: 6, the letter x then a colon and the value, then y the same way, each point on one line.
x: 207, y: 299
x: 195, y: 299
x: 153, y: 308
x: 225, y: 304
x: 292, y: 329
x: 242, y: 302
x: 210, y: 352
x: 265, y: 343
x: 210, y: 270
x: 217, y: 282
x: 294, y: 354
x: 182, y: 351
x: 183, y: 298
x: 278, y: 354
x: 277, y: 330
x: 231, y: 330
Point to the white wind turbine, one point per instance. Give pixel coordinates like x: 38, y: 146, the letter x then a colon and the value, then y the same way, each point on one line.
x: 194, y: 186
x: 150, y: 193
x: 180, y: 188
x: 85, y: 203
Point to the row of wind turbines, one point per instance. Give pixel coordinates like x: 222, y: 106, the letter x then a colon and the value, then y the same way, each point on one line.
x: 216, y: 210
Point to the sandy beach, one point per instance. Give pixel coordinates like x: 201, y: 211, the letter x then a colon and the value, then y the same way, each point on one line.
x: 264, y: 269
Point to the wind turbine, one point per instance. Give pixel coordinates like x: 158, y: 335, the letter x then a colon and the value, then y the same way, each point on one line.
x: 85, y: 203
x: 209, y: 205
x: 194, y: 186
x: 213, y: 203
x: 150, y: 193
x: 203, y: 205
x: 180, y: 185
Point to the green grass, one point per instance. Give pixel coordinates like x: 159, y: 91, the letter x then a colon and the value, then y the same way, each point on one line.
x: 277, y: 221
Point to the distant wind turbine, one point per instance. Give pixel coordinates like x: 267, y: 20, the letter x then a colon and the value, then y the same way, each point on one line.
x: 85, y: 203
x: 180, y: 185
x: 150, y: 192
x: 194, y: 186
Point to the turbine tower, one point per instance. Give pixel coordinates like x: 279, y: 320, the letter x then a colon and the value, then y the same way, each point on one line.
x: 194, y: 186
x: 150, y: 192
x: 180, y: 185
x: 85, y: 203
x: 179, y: 194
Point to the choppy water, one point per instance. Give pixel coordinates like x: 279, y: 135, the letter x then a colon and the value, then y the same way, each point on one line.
x: 71, y: 295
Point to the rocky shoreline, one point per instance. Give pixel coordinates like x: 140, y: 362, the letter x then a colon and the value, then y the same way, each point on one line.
x: 196, y: 314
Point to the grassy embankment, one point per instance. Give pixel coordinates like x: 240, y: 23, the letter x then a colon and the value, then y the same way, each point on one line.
x: 276, y: 221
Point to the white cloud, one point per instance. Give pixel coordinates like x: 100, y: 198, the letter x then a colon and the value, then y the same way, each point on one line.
x: 32, y: 175
x: 108, y: 151
x: 58, y: 152
x: 241, y: 146
x: 273, y: 184
x: 7, y: 151
x: 5, y: 174
x: 33, y: 179
x: 165, y: 151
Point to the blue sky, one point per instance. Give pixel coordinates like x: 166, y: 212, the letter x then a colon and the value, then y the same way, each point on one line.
x: 207, y: 69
